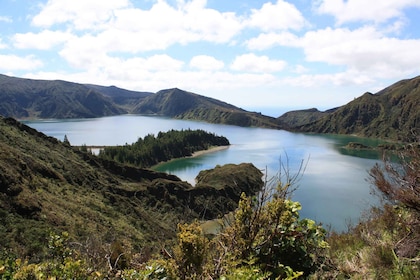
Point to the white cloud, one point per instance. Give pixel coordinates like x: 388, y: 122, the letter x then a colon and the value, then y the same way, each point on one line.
x: 363, y: 50
x: 44, y: 40
x: 2, y: 46
x: 88, y: 52
x: 361, y: 10
x: 253, y: 63
x: 6, y: 19
x: 210, y: 24
x: 346, y: 78
x: 188, y: 22
x: 162, y: 62
x: 84, y: 52
x: 129, y: 74
x: 268, y: 40
x: 279, y: 16
x: 206, y: 63
x: 13, y: 62
x: 138, y: 45
x: 159, y: 18
x: 81, y: 15
x: 221, y: 80
x: 118, y: 26
x: 300, y: 69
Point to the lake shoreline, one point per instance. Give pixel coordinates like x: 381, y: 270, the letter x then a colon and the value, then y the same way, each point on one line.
x: 212, y: 149
x: 333, y: 190
x: 208, y: 151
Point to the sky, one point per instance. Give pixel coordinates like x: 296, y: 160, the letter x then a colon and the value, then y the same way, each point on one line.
x: 265, y: 56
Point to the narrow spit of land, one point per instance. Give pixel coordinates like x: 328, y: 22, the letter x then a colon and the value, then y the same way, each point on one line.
x: 195, y: 154
x: 209, y: 150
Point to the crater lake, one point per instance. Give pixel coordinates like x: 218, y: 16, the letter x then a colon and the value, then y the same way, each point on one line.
x: 333, y: 189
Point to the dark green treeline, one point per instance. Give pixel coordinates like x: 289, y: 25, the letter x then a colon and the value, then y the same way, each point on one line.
x: 165, y: 146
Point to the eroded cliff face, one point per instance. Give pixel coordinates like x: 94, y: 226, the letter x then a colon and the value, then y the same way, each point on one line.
x: 216, y: 192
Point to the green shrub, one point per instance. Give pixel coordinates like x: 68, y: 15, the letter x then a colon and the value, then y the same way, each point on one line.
x: 272, y: 237
x: 191, y: 251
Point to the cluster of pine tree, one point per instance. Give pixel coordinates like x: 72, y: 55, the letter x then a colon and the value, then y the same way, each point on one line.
x: 152, y: 149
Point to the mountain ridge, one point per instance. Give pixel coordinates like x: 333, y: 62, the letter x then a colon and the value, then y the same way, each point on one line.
x: 391, y: 113
x: 180, y: 104
x: 27, y: 98
x: 122, y: 97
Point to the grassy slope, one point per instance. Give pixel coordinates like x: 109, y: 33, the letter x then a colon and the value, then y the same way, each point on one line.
x: 180, y: 104
x: 301, y: 117
x: 26, y: 98
x: 392, y: 113
x: 124, y: 98
x: 46, y: 186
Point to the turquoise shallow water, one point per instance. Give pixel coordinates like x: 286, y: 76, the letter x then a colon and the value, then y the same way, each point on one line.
x: 333, y: 189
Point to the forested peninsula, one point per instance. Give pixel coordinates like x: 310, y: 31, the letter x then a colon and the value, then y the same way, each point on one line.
x: 151, y: 149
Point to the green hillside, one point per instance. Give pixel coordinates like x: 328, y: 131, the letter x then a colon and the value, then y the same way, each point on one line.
x: 48, y: 186
x: 301, y: 117
x: 26, y: 98
x: 127, y: 99
x: 393, y: 113
x: 181, y: 104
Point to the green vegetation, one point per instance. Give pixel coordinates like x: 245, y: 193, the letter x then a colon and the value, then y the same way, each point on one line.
x: 165, y: 146
x: 265, y: 239
x: 66, y: 214
x: 392, y: 114
x: 47, y: 186
x: 176, y: 103
x: 386, y: 243
x: 26, y: 98
x: 302, y: 117
x: 380, y: 147
x: 123, y: 98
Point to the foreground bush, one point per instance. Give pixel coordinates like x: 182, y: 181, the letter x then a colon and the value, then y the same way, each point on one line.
x: 263, y: 239
x: 386, y: 243
x: 64, y: 263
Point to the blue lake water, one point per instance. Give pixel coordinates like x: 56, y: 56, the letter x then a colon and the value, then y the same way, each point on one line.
x: 333, y: 189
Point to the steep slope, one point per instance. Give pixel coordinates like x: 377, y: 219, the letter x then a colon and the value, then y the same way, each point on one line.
x: 47, y: 186
x: 301, y: 117
x: 127, y: 99
x: 392, y: 113
x: 181, y: 104
x: 26, y: 98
